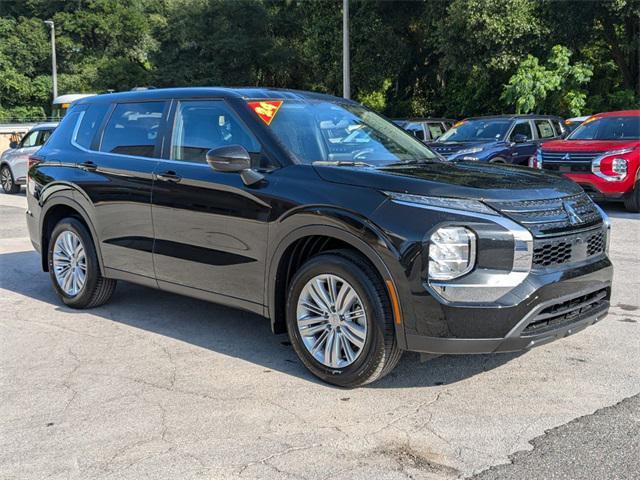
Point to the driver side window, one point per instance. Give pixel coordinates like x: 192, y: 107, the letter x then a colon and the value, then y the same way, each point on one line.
x: 201, y: 125
x: 523, y: 127
x: 29, y: 139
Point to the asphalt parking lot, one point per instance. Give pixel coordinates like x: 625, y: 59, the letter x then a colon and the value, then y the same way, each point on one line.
x: 154, y: 385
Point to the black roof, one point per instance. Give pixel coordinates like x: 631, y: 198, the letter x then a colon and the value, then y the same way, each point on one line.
x: 245, y: 93
x: 514, y: 116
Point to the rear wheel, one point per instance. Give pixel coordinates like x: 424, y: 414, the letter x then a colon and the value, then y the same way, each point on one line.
x: 7, y: 181
x: 339, y: 320
x: 498, y: 160
x: 74, y: 268
x: 632, y: 201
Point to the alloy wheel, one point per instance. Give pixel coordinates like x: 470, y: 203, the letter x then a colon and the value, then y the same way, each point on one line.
x: 69, y: 263
x: 6, y: 180
x: 331, y: 320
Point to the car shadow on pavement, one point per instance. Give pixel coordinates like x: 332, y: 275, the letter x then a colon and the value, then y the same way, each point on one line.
x: 224, y: 330
x: 617, y: 210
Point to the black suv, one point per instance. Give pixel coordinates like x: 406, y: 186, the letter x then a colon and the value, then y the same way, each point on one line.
x: 343, y: 229
x: 507, y: 139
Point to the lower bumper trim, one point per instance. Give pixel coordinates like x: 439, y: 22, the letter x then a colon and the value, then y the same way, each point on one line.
x: 463, y: 346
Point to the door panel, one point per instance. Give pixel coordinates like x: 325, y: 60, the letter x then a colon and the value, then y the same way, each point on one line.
x: 119, y: 184
x: 520, y: 152
x: 211, y: 231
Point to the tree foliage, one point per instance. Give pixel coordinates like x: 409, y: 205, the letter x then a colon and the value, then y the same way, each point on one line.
x: 428, y: 57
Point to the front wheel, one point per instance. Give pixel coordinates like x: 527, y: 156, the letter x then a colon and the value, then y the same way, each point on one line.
x: 7, y: 181
x: 74, y: 268
x: 340, y: 321
x: 632, y: 201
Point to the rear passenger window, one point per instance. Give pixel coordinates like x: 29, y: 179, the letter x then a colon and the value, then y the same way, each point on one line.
x: 544, y: 128
x: 91, y: 120
x: 133, y: 129
x: 44, y: 136
x: 201, y: 125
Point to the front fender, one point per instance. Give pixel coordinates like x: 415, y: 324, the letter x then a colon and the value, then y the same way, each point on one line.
x: 342, y: 225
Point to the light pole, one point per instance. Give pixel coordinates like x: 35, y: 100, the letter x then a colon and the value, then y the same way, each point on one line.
x: 54, y: 67
x: 346, y: 74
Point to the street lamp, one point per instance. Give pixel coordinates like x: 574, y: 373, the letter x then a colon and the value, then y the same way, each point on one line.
x: 346, y: 87
x: 54, y: 67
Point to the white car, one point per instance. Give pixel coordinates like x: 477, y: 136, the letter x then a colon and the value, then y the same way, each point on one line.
x: 14, y: 162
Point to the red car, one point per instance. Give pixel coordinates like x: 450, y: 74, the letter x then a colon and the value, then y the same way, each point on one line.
x: 602, y: 155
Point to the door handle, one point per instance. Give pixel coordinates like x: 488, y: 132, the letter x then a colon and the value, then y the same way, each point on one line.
x: 89, y: 166
x: 168, y: 176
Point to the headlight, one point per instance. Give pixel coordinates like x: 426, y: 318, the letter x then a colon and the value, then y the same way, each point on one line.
x: 460, y: 204
x: 452, y: 252
x: 468, y: 151
x: 609, y: 167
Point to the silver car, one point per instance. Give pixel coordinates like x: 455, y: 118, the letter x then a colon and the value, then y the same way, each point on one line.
x: 14, y: 162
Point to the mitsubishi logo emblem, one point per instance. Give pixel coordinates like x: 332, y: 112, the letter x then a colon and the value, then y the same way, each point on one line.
x: 566, y: 157
x: 574, y: 218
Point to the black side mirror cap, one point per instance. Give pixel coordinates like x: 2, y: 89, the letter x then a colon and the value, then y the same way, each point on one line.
x: 520, y: 138
x: 234, y: 159
x: 13, y: 144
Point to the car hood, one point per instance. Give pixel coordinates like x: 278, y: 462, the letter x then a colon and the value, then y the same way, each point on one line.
x: 460, y: 179
x: 588, y: 145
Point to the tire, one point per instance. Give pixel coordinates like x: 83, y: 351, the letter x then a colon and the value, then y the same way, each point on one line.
x: 632, y: 201
x: 95, y: 289
x: 7, y: 181
x: 498, y: 160
x: 380, y: 352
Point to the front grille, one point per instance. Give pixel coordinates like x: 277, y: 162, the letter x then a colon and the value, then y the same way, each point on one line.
x: 568, y: 249
x: 552, y: 216
x: 568, y: 162
x: 569, y: 311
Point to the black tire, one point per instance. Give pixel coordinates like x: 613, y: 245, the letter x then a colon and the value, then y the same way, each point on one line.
x: 380, y: 353
x: 8, y: 182
x: 498, y: 160
x: 632, y: 201
x: 97, y: 289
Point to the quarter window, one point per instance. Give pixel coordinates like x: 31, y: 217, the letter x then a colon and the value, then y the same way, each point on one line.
x: 544, y: 128
x: 523, y: 128
x: 90, y: 123
x: 201, y: 125
x: 133, y: 129
x: 44, y: 136
x: 416, y: 130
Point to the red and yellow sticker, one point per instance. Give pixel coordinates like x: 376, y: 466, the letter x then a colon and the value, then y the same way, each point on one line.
x: 591, y: 119
x: 457, y: 124
x: 266, y: 109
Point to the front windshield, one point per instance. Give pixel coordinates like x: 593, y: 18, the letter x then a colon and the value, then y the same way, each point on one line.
x: 608, y: 128
x: 321, y: 131
x: 476, y: 131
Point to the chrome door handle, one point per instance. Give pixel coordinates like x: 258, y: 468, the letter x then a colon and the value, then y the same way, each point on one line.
x: 88, y: 166
x: 169, y: 176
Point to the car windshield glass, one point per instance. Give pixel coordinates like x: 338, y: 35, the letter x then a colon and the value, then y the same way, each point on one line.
x: 608, y: 128
x: 343, y: 133
x: 476, y: 131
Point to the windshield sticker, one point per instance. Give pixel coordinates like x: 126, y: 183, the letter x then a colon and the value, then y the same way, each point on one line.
x: 266, y: 109
x: 457, y: 124
x: 590, y: 119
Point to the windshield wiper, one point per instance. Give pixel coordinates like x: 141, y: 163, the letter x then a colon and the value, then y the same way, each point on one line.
x: 342, y: 163
x: 416, y: 161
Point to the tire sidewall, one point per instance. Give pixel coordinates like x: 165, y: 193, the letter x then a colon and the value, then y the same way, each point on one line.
x: 368, y: 358
x: 84, y: 296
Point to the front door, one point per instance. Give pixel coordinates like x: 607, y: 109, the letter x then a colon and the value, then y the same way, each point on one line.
x: 520, y: 152
x: 211, y: 230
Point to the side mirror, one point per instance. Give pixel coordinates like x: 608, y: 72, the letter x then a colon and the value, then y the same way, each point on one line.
x: 13, y: 144
x: 520, y: 138
x: 233, y: 159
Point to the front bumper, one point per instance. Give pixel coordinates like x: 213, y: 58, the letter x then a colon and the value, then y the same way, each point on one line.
x: 554, y: 311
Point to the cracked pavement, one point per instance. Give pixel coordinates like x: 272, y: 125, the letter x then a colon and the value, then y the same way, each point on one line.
x: 154, y: 385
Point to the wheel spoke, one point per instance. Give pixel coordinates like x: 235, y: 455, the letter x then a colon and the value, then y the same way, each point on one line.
x: 346, y: 347
x: 329, y: 357
x: 354, y: 333
x: 321, y: 291
x: 346, y: 297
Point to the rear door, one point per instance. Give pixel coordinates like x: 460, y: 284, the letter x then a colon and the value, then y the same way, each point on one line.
x: 520, y: 152
x: 211, y: 230
x: 116, y: 174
